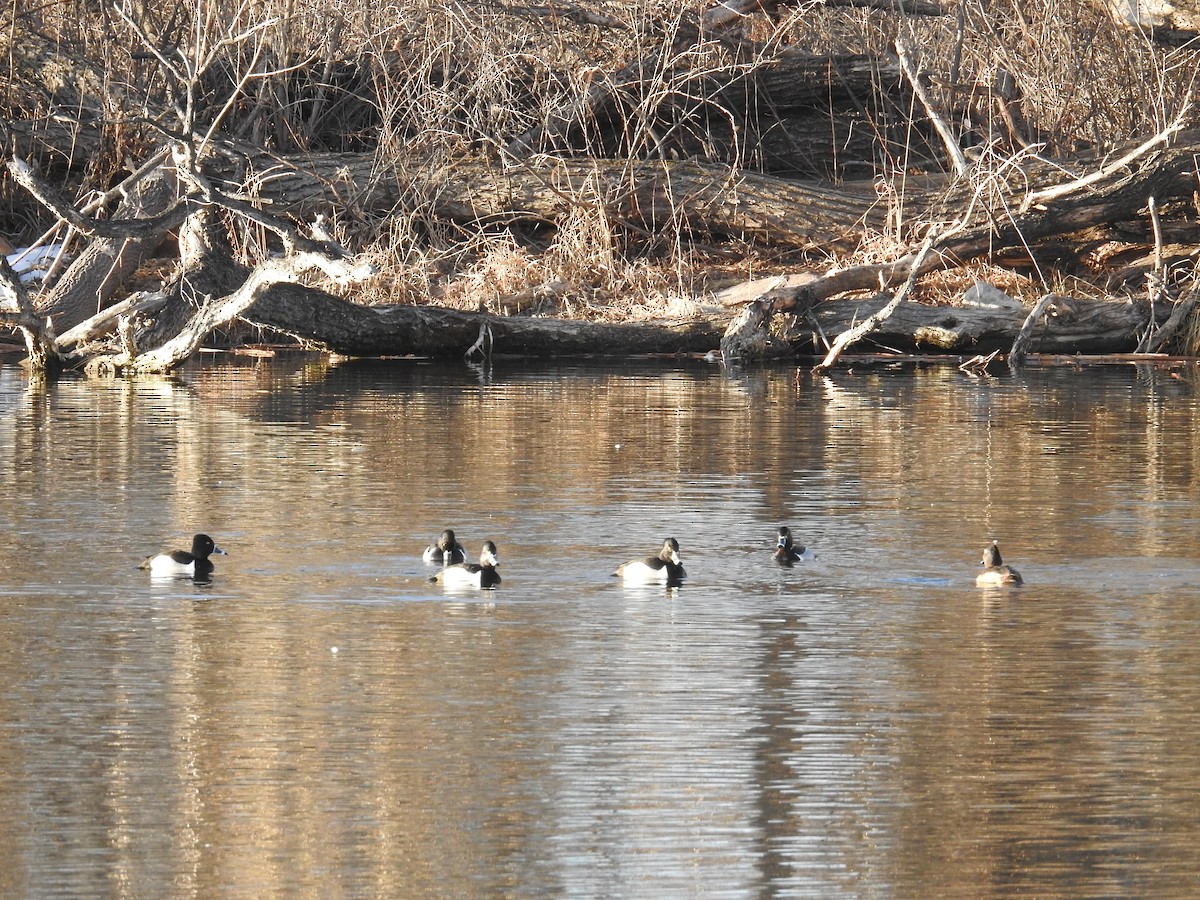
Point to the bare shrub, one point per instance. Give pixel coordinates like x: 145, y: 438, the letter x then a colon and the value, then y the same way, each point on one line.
x: 423, y: 83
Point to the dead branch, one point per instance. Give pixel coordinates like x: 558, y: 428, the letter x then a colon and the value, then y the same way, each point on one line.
x: 24, y: 175
x: 908, y: 66
x: 38, y: 333
x: 332, y: 261
x: 873, y: 321
x: 1181, y: 311
x: 1020, y: 346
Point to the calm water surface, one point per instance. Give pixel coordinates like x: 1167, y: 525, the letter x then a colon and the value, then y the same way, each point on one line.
x: 320, y: 720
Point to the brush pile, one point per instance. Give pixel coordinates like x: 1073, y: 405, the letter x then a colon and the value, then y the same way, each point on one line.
x: 599, y: 177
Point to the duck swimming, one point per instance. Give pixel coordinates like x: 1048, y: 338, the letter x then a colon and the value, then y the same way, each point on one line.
x: 483, y: 575
x: 786, y: 551
x: 995, y: 572
x: 181, y: 562
x: 447, y: 551
x: 662, y: 569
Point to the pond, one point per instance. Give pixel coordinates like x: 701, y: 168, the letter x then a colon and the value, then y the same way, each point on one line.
x: 319, y: 719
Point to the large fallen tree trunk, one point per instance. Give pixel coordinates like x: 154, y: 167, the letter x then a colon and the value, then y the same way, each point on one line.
x: 1069, y: 326
x: 648, y: 195
x: 349, y: 329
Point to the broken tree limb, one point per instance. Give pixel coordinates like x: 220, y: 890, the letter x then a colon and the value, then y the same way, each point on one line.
x: 100, y: 271
x: 957, y: 158
x: 104, y: 321
x: 38, y: 333
x: 873, y: 321
x: 1181, y: 312
x: 153, y: 226
x: 213, y: 313
x: 1020, y: 346
x: 749, y: 336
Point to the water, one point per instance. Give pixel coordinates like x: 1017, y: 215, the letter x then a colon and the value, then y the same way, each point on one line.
x: 320, y: 720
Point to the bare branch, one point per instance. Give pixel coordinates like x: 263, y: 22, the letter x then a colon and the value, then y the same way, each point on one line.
x: 24, y: 175
x: 957, y: 157
x: 848, y: 337
x: 1037, y: 198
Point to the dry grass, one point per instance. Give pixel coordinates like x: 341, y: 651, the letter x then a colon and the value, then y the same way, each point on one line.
x: 421, y: 83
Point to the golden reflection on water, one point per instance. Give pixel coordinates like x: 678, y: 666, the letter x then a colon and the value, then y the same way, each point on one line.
x: 320, y: 719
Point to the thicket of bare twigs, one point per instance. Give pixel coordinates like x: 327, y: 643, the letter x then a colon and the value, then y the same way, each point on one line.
x: 424, y: 84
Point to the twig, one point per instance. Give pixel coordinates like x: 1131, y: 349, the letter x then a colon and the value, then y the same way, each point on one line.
x: 1061, y: 190
x: 483, y: 344
x: 1156, y: 279
x: 976, y: 366
x: 957, y: 157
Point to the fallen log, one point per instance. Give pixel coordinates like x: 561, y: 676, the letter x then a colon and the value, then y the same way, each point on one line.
x: 1069, y: 326
x: 645, y: 196
x: 315, y: 318
x: 348, y: 329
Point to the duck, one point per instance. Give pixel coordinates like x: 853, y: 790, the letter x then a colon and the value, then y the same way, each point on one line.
x: 181, y: 562
x: 447, y: 551
x: 664, y: 568
x: 995, y: 572
x: 483, y: 575
x: 787, y: 552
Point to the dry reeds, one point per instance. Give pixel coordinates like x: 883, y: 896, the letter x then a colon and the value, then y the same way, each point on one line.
x: 422, y: 83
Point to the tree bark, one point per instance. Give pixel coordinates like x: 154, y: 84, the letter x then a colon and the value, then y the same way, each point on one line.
x: 1071, y: 326
x: 352, y: 330
x: 101, y: 270
x: 707, y: 198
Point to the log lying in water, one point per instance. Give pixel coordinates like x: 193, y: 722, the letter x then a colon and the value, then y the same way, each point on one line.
x: 353, y: 330
x: 1069, y: 326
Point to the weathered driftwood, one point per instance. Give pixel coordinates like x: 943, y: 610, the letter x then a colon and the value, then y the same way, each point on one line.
x: 301, y: 255
x: 353, y: 330
x: 1070, y: 326
x: 318, y: 319
x: 16, y: 311
x: 1020, y: 345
